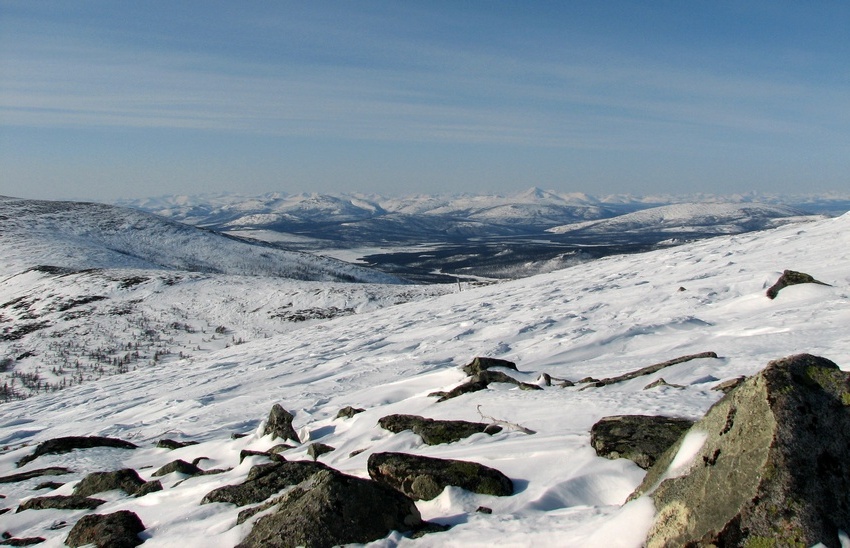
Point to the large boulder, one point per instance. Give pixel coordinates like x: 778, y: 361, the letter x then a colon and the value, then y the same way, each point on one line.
x: 424, y: 478
x: 126, y: 480
x: 263, y: 481
x: 279, y: 424
x: 331, y: 509
x: 639, y: 438
x: 766, y: 466
x: 117, y: 530
x: 435, y: 432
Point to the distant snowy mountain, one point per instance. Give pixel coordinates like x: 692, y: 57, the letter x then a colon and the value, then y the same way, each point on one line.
x: 599, y: 319
x: 702, y: 218
x: 79, y: 235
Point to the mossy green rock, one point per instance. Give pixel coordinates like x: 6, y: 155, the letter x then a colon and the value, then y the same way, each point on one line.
x: 768, y: 464
x: 435, y: 432
x: 424, y: 478
x: 639, y: 438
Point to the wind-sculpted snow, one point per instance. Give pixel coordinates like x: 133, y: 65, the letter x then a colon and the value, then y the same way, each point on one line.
x: 86, y: 235
x: 600, y: 319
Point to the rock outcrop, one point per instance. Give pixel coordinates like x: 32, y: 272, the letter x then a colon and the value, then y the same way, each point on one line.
x: 639, y: 438
x: 70, y: 443
x: 791, y: 277
x: 279, y: 424
x: 263, y: 481
x: 435, y: 432
x: 479, y: 364
x: 331, y: 509
x: 126, y: 480
x: 766, y: 466
x: 424, y: 478
x: 117, y: 530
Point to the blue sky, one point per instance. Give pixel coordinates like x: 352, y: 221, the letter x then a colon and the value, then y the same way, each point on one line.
x: 104, y: 100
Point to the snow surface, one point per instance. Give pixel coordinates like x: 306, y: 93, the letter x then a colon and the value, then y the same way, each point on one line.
x: 601, y: 319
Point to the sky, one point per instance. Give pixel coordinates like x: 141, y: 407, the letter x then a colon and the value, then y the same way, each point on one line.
x: 106, y: 100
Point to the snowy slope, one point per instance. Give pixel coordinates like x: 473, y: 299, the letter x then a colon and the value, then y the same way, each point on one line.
x: 705, y: 218
x: 86, y: 235
x: 600, y: 318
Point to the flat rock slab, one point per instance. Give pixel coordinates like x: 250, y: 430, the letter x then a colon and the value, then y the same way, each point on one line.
x: 424, y: 478
x: 435, y: 432
x: 23, y: 476
x: 264, y: 481
x: 70, y: 443
x: 60, y: 502
x: 332, y: 509
x: 639, y: 438
x: 766, y: 466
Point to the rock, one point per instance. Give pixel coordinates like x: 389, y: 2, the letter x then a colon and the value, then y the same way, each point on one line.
x: 263, y: 481
x: 647, y: 370
x: 477, y: 365
x: 127, y: 480
x: 435, y: 432
x: 790, y: 277
x: 772, y: 469
x: 48, y: 485
x: 424, y: 478
x: 23, y: 476
x: 60, y: 502
x: 316, y: 449
x: 661, y: 382
x: 268, y: 454
x: 28, y: 541
x: 117, y: 530
x: 171, y: 444
x: 179, y: 466
x: 279, y: 424
x: 68, y: 444
x: 639, y: 438
x: 729, y: 385
x: 333, y: 509
x: 484, y: 510
x: 348, y: 412
x: 149, y: 487
x: 481, y: 381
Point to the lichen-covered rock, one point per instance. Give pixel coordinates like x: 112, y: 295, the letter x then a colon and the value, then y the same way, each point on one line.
x: 263, y: 481
x: 768, y: 464
x: 179, y: 466
x: 333, y: 509
x: 60, y: 502
x: 479, y: 364
x: 279, y: 424
x: 424, y: 478
x: 435, y: 432
x: 639, y: 438
x: 117, y: 530
x: 126, y: 479
x: 70, y: 443
x: 790, y: 277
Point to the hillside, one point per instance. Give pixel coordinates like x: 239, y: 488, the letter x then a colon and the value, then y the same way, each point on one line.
x: 80, y: 235
x: 599, y: 319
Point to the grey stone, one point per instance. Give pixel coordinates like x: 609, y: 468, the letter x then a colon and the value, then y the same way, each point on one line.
x: 117, y: 530
x: 179, y: 466
x: 332, y: 509
x: 347, y: 412
x: 424, y: 478
x: 435, y: 432
x: 60, y: 502
x: 479, y: 364
x: 316, y: 449
x: 70, y: 443
x: 772, y: 470
x: 639, y: 438
x: 264, y: 481
x: 23, y: 476
x: 149, y: 487
x: 279, y: 424
x: 790, y: 277
x: 127, y: 480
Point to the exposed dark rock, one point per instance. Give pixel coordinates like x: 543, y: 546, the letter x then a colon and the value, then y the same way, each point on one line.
x: 237, y: 435
x: 263, y: 481
x: 481, y: 381
x: 23, y: 476
x: 647, y: 370
x: 268, y: 454
x: 427, y: 528
x: 172, y: 444
x: 179, y: 466
x: 149, y: 487
x: 67, y: 444
x: 356, y: 452
x: 316, y: 449
x: 424, y: 478
x: 28, y: 541
x: 60, y: 502
x: 197, y: 460
x: 347, y: 412
x: 790, y: 277
x: 728, y: 386
x: 279, y: 424
x: 661, y: 382
x: 484, y: 510
x: 117, y: 530
x: 280, y: 448
x: 48, y: 485
x: 127, y: 480
x: 477, y: 365
x: 333, y: 509
x: 434, y: 432
x: 771, y: 471
x: 639, y: 438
